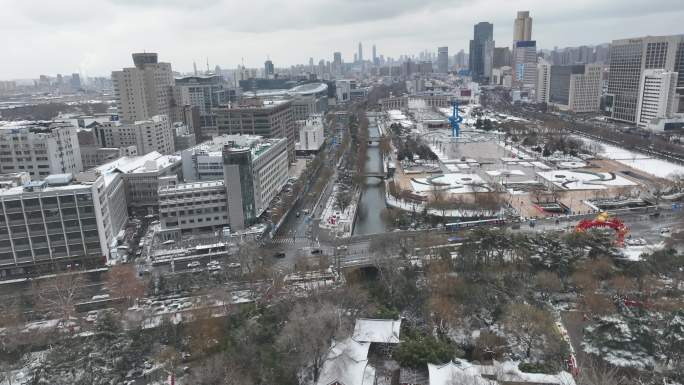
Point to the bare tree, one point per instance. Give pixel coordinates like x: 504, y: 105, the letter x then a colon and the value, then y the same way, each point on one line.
x: 310, y: 329
x: 528, y: 324
x: 58, y: 294
x: 123, y: 282
x: 595, y: 372
x: 169, y: 358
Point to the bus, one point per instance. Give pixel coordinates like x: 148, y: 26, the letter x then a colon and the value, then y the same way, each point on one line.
x: 469, y: 224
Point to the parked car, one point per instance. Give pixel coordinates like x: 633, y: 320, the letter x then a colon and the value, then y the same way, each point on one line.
x: 193, y: 265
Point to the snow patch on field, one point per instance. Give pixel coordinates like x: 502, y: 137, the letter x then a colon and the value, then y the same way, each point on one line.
x: 638, y: 161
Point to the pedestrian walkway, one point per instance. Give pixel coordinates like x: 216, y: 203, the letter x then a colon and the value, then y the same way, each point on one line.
x: 285, y: 240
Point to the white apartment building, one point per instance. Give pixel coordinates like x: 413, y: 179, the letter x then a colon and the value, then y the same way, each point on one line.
x: 311, y: 134
x: 658, y: 97
x: 40, y: 148
x: 543, y: 82
x: 585, y: 89
x: 145, y: 90
x: 60, y: 221
x: 576, y: 88
x: 153, y: 134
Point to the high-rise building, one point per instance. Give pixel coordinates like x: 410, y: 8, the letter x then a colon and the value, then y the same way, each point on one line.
x: 461, y: 59
x: 543, y: 82
x: 629, y: 58
x: 360, y: 55
x: 576, y: 88
x: 269, y: 119
x: 269, y: 69
x: 502, y: 57
x: 205, y: 93
x: 375, y: 56
x: 482, y: 52
x: 39, y: 148
x: 143, y: 91
x: 525, y: 63
x: 75, y: 81
x: 657, y: 96
x: 522, y: 27
x: 443, y: 59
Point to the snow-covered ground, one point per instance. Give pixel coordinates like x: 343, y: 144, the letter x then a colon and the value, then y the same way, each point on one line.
x: 573, y: 180
x: 455, y: 183
x: 653, y: 166
x: 634, y: 252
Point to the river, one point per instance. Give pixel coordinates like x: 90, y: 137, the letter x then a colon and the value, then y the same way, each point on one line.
x: 373, y: 194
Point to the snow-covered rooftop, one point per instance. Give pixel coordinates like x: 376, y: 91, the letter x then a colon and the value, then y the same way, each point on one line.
x: 456, y: 373
x: 463, y: 372
x: 377, y: 330
x: 347, y: 363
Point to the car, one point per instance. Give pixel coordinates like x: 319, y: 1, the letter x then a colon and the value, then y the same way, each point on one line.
x: 100, y: 297
x: 193, y: 264
x: 279, y: 254
x: 298, y: 214
x: 316, y: 251
x: 234, y: 265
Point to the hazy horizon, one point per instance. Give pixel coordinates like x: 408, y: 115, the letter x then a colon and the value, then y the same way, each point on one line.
x: 94, y: 37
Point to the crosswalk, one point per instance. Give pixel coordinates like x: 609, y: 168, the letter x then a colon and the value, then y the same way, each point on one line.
x: 290, y: 240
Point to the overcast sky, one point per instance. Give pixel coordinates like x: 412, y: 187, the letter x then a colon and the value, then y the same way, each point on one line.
x: 94, y: 37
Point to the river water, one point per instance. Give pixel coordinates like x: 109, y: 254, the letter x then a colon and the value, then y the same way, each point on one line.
x: 373, y: 194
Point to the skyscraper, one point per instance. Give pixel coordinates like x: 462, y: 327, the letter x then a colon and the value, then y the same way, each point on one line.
x: 337, y: 63
x: 525, y: 63
x: 269, y: 69
x: 143, y: 91
x: 575, y: 88
x: 522, y: 27
x: 360, y: 55
x: 375, y: 56
x: 482, y: 52
x: 461, y: 59
x: 502, y: 57
x: 443, y: 59
x: 629, y: 58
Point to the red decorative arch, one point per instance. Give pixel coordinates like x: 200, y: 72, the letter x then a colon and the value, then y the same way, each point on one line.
x: 603, y: 220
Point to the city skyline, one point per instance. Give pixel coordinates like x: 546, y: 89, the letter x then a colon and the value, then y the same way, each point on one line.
x: 77, y: 40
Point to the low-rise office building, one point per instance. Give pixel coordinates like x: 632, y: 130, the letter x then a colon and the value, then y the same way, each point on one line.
x: 93, y: 156
x: 231, y: 180
x: 194, y: 206
x: 143, y: 175
x: 60, y: 222
x: 154, y: 134
x: 269, y: 119
x: 311, y: 135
